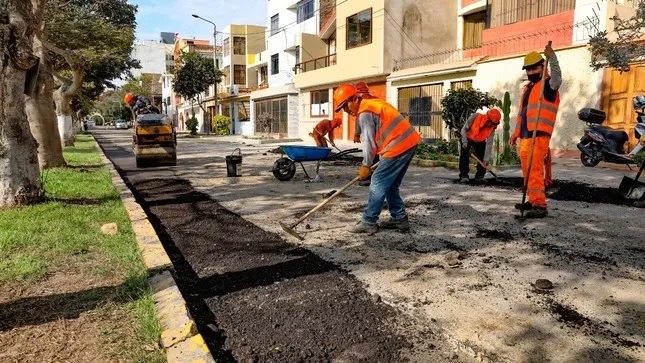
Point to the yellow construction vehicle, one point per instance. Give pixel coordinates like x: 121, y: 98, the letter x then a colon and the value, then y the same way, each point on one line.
x: 154, y: 141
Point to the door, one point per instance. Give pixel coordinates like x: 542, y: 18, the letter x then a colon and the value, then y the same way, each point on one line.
x: 618, y: 91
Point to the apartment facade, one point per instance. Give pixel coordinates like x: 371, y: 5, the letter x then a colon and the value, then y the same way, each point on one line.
x: 362, y: 40
x: 492, y: 39
x: 288, y: 21
x: 241, y: 43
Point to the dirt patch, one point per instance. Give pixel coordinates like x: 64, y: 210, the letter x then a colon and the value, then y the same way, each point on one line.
x: 571, y: 256
x: 258, y: 298
x: 569, y: 191
x: 495, y: 234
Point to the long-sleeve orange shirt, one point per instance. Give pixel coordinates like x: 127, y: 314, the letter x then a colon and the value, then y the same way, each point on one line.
x: 325, y: 128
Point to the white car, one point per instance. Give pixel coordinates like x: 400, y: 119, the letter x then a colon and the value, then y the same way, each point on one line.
x: 121, y: 124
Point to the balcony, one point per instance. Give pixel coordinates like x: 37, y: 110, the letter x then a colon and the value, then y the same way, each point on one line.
x: 317, y: 63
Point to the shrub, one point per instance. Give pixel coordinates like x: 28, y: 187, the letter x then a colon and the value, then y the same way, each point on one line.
x: 222, y: 125
x: 265, y: 120
x: 459, y: 104
x: 191, y: 124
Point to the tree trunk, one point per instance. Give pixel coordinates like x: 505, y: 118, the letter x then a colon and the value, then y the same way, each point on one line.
x: 42, y: 116
x: 64, y: 117
x: 19, y: 172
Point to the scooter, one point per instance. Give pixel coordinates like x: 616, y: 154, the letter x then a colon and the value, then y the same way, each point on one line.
x: 602, y: 143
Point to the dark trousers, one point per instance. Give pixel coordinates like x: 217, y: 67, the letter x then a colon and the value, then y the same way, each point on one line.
x: 464, y: 159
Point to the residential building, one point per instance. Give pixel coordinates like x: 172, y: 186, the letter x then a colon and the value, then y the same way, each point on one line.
x: 288, y: 21
x: 186, y: 108
x: 241, y: 44
x: 363, y: 41
x: 168, y: 100
x: 492, y: 39
x: 155, y: 56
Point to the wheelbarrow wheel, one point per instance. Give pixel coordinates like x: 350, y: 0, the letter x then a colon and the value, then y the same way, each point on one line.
x: 284, y: 169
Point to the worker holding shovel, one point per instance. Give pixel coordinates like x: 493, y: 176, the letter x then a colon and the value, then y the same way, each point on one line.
x: 535, y: 123
x: 477, y: 134
x: 325, y: 128
x: 384, y: 131
x: 364, y: 91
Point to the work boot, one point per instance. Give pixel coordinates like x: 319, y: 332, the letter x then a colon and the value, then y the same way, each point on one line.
x: 464, y: 180
x: 537, y: 212
x: 525, y: 206
x: 402, y: 225
x: 361, y: 227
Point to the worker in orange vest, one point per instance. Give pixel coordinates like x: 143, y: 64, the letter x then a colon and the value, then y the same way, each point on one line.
x: 325, y: 128
x: 477, y: 134
x: 384, y: 132
x: 528, y: 120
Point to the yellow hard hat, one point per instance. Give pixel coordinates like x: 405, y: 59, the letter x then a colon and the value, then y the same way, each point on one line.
x: 532, y: 59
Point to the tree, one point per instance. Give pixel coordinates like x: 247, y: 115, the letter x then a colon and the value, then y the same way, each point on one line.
x: 459, y: 104
x: 141, y: 85
x: 111, y: 106
x: 86, y: 37
x: 19, y: 172
x: 194, y: 76
x: 627, y: 47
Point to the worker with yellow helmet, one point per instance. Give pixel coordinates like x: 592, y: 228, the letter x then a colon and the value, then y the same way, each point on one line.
x: 528, y: 120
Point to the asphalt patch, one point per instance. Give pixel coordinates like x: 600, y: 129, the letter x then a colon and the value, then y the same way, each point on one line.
x: 257, y: 298
x: 568, y: 191
x: 495, y: 234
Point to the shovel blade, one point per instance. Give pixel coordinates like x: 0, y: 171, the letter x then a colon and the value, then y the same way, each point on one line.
x: 630, y: 189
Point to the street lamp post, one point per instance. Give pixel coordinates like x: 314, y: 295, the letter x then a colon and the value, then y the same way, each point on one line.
x: 214, y: 62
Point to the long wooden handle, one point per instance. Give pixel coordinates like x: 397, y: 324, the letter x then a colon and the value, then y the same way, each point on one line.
x: 537, y: 121
x: 482, y: 164
x: 329, y: 199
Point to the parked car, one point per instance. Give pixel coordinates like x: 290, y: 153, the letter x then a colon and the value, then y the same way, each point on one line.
x: 121, y: 124
x: 90, y: 123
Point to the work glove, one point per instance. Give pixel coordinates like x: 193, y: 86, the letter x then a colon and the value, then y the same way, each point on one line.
x: 465, y: 145
x: 357, y: 139
x: 364, y: 172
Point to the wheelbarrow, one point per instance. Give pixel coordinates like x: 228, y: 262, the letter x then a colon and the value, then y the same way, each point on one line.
x: 632, y: 188
x: 285, y: 167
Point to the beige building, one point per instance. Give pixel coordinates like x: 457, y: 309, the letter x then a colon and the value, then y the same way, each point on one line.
x: 240, y: 45
x: 363, y: 40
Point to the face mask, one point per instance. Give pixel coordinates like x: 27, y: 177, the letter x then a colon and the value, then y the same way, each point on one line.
x: 536, y: 77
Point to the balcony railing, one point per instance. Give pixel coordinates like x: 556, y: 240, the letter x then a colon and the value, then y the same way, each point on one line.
x: 317, y: 63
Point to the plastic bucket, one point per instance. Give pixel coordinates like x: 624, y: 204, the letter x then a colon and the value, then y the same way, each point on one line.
x: 234, y: 164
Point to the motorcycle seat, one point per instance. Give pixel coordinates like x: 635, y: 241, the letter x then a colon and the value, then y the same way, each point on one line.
x: 619, y: 137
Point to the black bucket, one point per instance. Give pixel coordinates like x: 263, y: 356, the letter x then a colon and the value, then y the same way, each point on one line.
x: 234, y: 164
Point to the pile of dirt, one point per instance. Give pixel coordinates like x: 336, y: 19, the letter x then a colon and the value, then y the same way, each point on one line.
x: 257, y: 298
x: 568, y: 191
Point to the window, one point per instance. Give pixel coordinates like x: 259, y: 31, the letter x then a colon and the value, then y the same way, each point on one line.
x: 239, y: 75
x: 359, y: 29
x: 512, y: 11
x: 474, y: 25
x: 170, y: 57
x: 297, y: 54
x: 239, y: 45
x: 275, y: 24
x: 278, y: 108
x: 320, y: 103
x: 227, y: 47
x: 305, y: 10
x: 275, y: 64
x: 461, y: 85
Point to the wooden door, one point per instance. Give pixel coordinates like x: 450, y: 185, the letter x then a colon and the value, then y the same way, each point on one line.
x: 618, y: 92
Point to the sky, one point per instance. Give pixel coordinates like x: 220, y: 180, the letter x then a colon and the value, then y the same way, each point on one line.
x: 156, y: 16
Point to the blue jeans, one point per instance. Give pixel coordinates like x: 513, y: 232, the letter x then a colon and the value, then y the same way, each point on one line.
x: 386, y: 181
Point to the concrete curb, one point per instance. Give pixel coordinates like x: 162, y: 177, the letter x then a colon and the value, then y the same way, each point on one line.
x: 179, y: 336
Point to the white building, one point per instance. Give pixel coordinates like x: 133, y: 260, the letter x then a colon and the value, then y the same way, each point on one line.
x: 168, y: 100
x: 155, y: 56
x: 287, y: 20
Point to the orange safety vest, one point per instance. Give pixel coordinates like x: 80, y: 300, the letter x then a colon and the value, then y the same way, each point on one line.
x: 396, y: 134
x: 548, y: 111
x: 477, y: 132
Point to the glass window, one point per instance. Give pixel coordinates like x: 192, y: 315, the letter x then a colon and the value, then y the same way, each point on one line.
x: 275, y: 24
x: 239, y: 45
x: 359, y: 29
x: 275, y: 64
x: 305, y: 10
x: 239, y: 76
x: 319, y: 103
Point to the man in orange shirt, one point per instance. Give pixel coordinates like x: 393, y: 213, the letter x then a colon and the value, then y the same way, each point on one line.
x: 325, y: 128
x: 384, y: 132
x: 477, y: 134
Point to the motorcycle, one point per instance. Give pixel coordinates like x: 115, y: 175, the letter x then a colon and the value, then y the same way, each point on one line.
x: 602, y: 143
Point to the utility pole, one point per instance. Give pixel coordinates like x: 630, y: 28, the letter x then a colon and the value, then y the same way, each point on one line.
x: 214, y: 64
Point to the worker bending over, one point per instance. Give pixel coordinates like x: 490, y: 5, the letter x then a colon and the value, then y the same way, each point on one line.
x: 325, y: 128
x: 140, y: 105
x: 477, y: 134
x: 528, y: 120
x: 384, y: 131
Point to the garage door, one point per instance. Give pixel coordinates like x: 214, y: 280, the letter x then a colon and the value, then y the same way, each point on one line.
x: 617, y: 95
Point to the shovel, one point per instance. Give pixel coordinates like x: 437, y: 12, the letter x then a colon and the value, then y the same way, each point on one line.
x: 482, y: 164
x: 632, y: 188
x: 291, y: 228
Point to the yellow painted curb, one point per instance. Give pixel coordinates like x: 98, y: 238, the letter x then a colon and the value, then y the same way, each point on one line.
x: 179, y: 336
